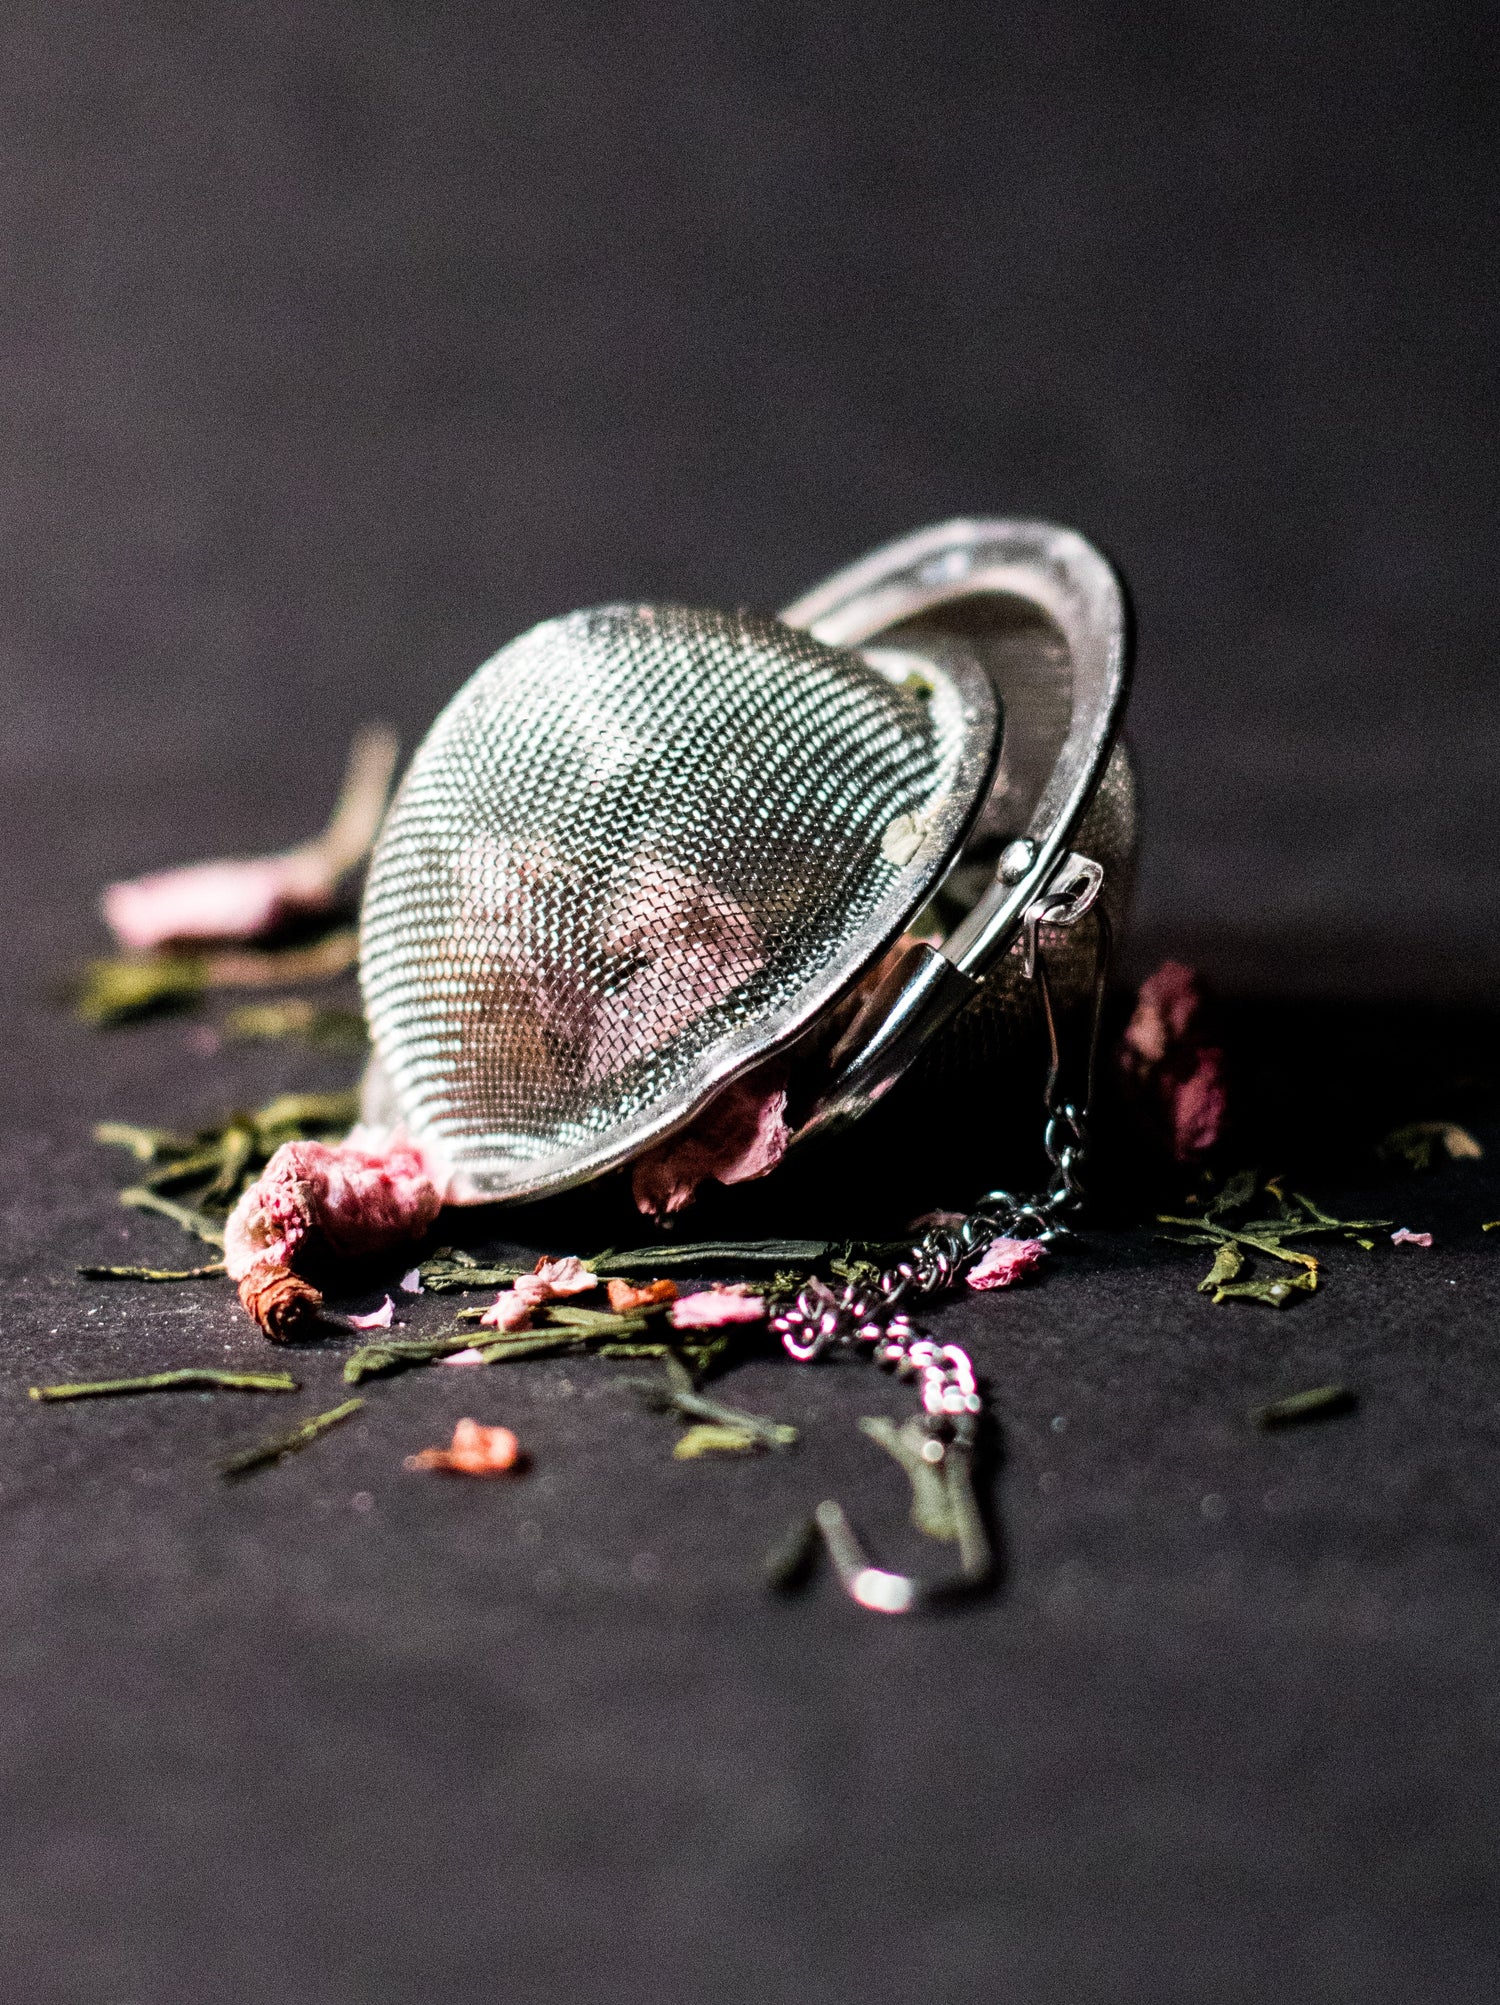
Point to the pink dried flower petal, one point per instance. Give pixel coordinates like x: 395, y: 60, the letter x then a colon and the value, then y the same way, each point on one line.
x: 245, y: 898
x: 742, y: 1133
x: 508, y: 1311
x: 1172, y: 1064
x: 468, y: 1357
x: 1005, y: 1261
x: 411, y: 1282
x: 713, y: 1308
x: 1402, y: 1237
x: 230, y: 900
x: 312, y: 1202
x: 378, y: 1319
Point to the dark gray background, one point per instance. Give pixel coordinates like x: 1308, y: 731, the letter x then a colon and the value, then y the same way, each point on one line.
x: 337, y: 345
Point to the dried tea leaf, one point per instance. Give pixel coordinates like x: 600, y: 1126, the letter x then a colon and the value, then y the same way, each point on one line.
x: 712, y: 1253
x: 1274, y: 1294
x: 674, y: 1397
x: 190, y: 1378
x: 442, y: 1274
x: 136, y: 985
x: 209, y: 1230
x: 931, y: 1502
x: 296, y: 1018
x: 1318, y: 1404
x: 1228, y: 1260
x: 151, y: 1273
x: 289, y: 1443
x: 709, y: 1438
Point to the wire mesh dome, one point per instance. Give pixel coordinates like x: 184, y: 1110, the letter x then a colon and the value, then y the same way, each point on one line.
x: 640, y: 849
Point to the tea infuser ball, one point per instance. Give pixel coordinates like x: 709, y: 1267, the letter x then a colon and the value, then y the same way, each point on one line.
x: 646, y: 847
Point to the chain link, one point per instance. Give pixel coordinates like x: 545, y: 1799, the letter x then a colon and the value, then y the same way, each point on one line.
x: 875, y: 1309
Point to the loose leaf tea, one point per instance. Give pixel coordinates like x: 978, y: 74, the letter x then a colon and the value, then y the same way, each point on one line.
x: 289, y: 1443
x: 1318, y: 1404
x: 1234, y: 1243
x: 190, y: 1378
x: 681, y: 1399
x: 152, y: 1273
x: 710, y: 1438
x: 195, y: 1180
x: 119, y: 991
x: 296, y: 1019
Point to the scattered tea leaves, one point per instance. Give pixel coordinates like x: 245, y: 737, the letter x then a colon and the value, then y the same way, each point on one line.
x: 1297, y: 1217
x: 191, y: 1378
x: 714, y: 1253
x: 288, y: 1444
x: 1275, y: 1294
x: 152, y: 1273
x: 675, y: 1397
x: 1318, y: 1404
x: 118, y: 991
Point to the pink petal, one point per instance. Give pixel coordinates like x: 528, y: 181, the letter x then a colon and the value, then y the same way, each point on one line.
x: 378, y: 1319
x: 1004, y: 1261
x: 508, y: 1311
x: 742, y: 1133
x: 1172, y: 1065
x: 567, y: 1276
x: 468, y: 1357
x: 411, y: 1282
x: 713, y: 1308
x: 1401, y: 1237
x: 241, y: 899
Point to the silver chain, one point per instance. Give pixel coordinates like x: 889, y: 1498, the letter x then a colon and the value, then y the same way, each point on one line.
x: 874, y: 1309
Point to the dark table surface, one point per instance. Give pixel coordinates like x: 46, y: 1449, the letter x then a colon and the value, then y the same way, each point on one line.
x: 338, y: 345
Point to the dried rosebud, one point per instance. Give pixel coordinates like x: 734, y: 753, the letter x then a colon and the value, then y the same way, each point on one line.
x: 714, y: 1308
x: 279, y: 1300
x: 624, y: 1296
x: 1172, y: 1066
x: 1004, y: 1261
x: 507, y: 1312
x: 378, y: 1319
x: 475, y: 1451
x: 741, y: 1133
x: 312, y: 1202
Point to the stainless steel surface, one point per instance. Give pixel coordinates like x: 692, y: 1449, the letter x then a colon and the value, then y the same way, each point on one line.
x: 1064, y: 689
x: 640, y: 849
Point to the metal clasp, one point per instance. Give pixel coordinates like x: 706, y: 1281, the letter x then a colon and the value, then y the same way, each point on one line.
x: 1071, y: 891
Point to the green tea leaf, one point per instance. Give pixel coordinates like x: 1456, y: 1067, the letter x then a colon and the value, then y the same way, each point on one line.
x: 1318, y: 1404
x: 152, y: 1273
x: 439, y: 1277
x: 931, y: 1503
x: 675, y: 1398
x: 115, y: 992
x: 289, y: 1443
x: 708, y: 1438
x: 139, y: 1198
x: 191, y: 1378
x: 711, y: 1253
x: 297, y: 1019
x: 1228, y: 1260
x: 1274, y: 1294
x: 145, y: 1144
